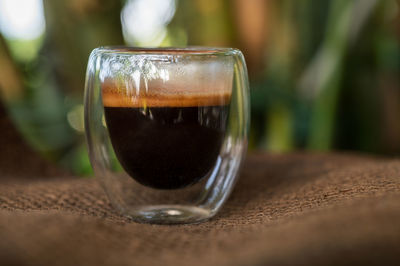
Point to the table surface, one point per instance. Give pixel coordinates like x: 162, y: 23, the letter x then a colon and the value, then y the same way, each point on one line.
x: 304, y: 208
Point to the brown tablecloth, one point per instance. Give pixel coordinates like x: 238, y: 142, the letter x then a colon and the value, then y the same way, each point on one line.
x: 295, y: 209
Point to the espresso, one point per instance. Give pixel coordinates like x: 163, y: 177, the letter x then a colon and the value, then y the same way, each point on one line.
x: 167, y: 146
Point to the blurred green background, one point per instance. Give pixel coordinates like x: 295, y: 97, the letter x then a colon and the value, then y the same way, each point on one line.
x: 324, y: 75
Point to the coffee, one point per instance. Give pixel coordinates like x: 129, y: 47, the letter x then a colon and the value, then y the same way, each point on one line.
x: 166, y: 142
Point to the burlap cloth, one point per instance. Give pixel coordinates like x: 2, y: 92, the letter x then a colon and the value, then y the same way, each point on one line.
x: 296, y: 209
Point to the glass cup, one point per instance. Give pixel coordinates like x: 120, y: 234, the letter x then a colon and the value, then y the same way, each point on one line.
x: 167, y: 129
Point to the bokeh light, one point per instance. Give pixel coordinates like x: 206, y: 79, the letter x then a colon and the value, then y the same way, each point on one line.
x: 22, y: 19
x: 144, y: 21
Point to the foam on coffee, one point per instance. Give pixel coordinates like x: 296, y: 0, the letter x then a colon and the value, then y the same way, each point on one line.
x: 159, y: 95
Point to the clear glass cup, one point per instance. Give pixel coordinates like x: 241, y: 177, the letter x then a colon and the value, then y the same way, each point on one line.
x: 167, y: 129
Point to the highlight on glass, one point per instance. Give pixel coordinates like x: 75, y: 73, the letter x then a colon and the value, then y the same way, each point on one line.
x: 167, y: 129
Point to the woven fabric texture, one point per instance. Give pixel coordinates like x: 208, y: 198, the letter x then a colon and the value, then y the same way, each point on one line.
x: 294, y: 209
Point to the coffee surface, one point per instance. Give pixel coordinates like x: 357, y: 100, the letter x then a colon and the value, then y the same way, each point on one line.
x: 169, y: 145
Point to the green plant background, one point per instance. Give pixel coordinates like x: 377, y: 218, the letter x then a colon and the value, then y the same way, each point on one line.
x: 324, y: 75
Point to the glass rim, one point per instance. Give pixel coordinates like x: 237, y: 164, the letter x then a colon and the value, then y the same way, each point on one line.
x: 167, y: 51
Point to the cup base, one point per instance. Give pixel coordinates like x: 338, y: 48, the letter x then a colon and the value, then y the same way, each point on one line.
x: 169, y: 214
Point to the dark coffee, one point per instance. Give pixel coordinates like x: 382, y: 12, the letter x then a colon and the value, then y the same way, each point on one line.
x: 167, y: 147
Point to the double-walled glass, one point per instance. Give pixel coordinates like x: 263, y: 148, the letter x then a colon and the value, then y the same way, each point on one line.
x: 167, y: 129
